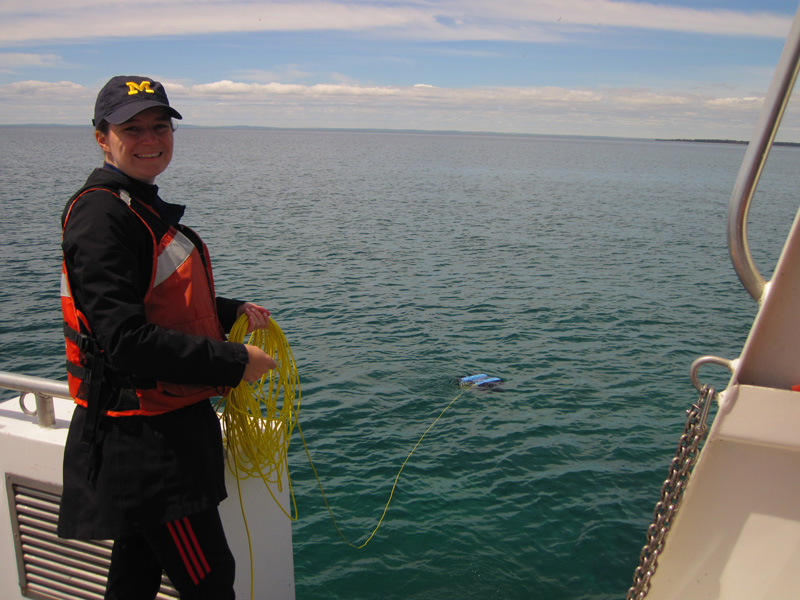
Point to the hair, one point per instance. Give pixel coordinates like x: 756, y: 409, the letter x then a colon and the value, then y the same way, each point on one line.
x: 102, y: 126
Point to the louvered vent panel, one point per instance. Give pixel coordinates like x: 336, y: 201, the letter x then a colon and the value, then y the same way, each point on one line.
x: 51, y: 568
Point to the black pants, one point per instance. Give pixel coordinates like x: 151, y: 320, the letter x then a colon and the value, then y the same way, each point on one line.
x: 192, y: 551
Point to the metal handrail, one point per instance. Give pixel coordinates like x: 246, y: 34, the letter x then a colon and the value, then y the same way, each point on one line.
x: 43, y: 391
x: 755, y: 158
x: 708, y: 360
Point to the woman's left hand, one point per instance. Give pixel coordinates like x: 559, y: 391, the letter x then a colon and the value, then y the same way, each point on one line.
x: 258, y: 316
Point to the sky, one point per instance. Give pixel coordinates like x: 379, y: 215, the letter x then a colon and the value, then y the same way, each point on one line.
x: 641, y: 69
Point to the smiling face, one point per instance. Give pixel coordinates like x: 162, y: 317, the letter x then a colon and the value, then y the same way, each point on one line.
x: 141, y: 147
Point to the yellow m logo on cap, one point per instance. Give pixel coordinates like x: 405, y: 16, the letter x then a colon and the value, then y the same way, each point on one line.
x: 134, y: 88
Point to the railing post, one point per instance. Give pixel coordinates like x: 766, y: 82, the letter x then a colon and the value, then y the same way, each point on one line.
x: 43, y: 391
x: 755, y: 158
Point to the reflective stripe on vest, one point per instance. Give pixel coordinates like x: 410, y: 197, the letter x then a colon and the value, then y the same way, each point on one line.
x: 172, y: 257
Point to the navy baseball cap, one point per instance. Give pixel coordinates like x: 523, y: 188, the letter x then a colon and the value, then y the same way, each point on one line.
x: 125, y: 96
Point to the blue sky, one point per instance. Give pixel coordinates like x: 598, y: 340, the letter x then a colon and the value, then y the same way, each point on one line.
x: 671, y: 68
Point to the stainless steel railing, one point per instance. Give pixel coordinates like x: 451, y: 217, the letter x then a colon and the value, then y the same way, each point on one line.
x: 43, y: 391
x: 755, y: 158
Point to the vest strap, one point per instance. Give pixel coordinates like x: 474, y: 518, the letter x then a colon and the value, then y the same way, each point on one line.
x: 81, y: 340
x: 89, y: 434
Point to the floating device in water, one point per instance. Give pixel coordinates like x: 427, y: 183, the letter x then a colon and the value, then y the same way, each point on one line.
x: 479, y: 380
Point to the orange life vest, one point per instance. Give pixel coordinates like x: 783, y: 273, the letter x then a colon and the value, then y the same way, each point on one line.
x: 180, y: 297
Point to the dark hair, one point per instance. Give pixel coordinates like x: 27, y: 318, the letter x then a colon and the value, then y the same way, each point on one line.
x: 102, y: 127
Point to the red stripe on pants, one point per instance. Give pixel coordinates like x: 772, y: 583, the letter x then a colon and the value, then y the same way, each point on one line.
x: 196, y: 545
x: 187, y: 549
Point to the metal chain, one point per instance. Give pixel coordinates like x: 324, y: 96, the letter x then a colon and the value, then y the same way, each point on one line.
x: 680, y: 469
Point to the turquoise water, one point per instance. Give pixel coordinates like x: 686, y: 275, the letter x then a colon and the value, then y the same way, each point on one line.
x: 587, y: 273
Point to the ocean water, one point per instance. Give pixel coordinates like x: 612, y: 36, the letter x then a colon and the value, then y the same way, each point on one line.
x: 587, y: 273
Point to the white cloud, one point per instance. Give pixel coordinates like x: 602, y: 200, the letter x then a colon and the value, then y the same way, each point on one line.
x: 77, y: 19
x: 20, y: 59
x: 11, y: 62
x: 643, y: 15
x: 624, y: 112
x: 45, y: 89
x: 284, y: 73
x: 61, y: 102
x: 747, y: 103
x: 523, y: 20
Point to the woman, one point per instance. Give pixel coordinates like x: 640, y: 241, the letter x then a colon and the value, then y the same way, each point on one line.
x: 146, y: 349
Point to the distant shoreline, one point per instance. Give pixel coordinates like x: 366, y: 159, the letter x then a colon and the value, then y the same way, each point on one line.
x: 714, y: 141
x: 420, y: 131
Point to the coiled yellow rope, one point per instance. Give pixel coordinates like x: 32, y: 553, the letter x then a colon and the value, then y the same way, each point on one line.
x: 259, y: 417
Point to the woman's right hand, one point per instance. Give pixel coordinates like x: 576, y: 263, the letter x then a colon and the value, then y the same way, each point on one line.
x: 259, y: 363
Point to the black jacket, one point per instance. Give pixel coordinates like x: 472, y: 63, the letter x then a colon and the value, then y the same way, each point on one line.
x: 108, y: 254
x: 145, y: 470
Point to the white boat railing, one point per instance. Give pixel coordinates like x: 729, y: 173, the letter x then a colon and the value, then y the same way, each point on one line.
x: 43, y: 390
x: 755, y: 158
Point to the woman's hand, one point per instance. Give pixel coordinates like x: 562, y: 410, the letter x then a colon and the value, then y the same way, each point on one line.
x: 259, y: 363
x: 258, y: 316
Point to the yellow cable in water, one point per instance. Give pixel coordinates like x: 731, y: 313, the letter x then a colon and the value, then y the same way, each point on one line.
x: 258, y: 425
x: 394, y: 486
